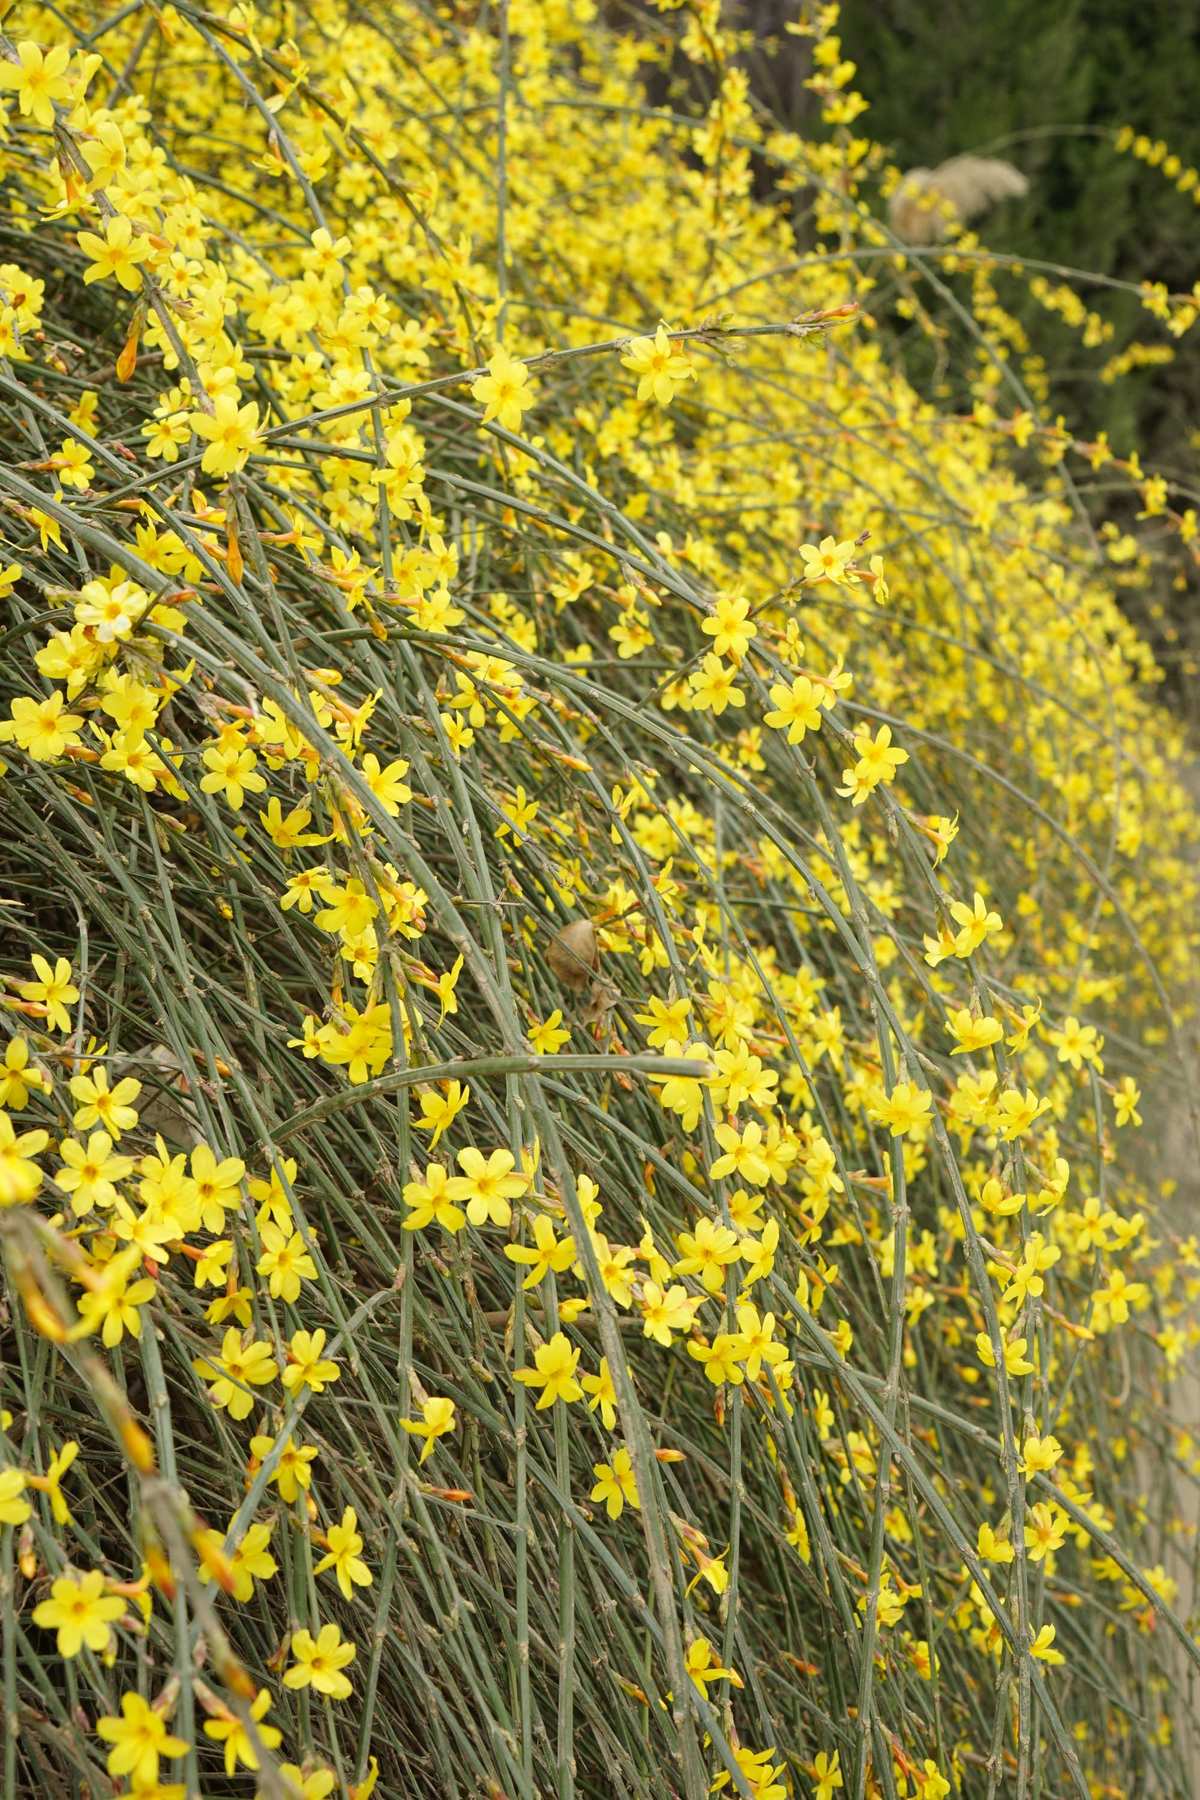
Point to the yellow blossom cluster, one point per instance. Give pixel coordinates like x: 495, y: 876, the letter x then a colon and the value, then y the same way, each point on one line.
x: 594, y: 889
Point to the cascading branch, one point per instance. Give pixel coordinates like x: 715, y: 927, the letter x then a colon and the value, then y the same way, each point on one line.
x: 594, y: 890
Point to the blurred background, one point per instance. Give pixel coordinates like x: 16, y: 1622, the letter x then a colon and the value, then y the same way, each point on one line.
x: 1048, y: 88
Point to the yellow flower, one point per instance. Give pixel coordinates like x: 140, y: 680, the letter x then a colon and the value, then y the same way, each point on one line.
x: 429, y: 1202
x: 797, y: 709
x: 109, y: 610
x: 307, y: 1365
x: 877, y: 581
x: 743, y: 1154
x: 707, y: 1252
x: 1015, y: 1360
x: 212, y: 1267
x: 760, y: 1775
x: 684, y: 1094
x: 293, y: 1471
x: 976, y: 923
x: 933, y: 1784
x: 661, y: 367
x: 444, y: 987
x: 877, y: 762
x: 350, y: 909
x: 305, y: 886
x: 615, y: 1483
x: 230, y: 431
x: 722, y: 1359
x: 242, y: 1364
x: 603, y: 1394
x: 110, y: 1108
x: 387, y: 784
x: 81, y: 1613
x: 554, y: 1369
x: 756, y: 1337
x: 703, y: 1666
x: 230, y: 1731
x: 615, y: 1272
x: 289, y: 832
x: 139, y: 1737
x: 74, y: 465
x: 285, y: 1262
x: 667, y: 1021
x: 249, y: 1561
x: 231, y: 771
x: 548, y: 1036
x: 665, y: 1312
x: 1077, y: 1044
x: 827, y: 1775
x: 504, y: 391
x: 487, y: 1184
x: 1045, y: 1530
x: 1029, y: 1275
x: 106, y: 157
x: 437, y: 1418
x: 970, y: 1033
x: 439, y: 1111
x: 112, y: 1307
x: 905, y: 1111
x: 20, y: 1177
x: 318, y: 1784
x: 320, y: 1661
x: 39, y: 78
x: 1125, y: 1101
x: 18, y: 1076
x: 90, y: 1173
x: 234, y: 1303
x: 828, y: 560
x: 117, y: 253
x: 14, y: 1510
x: 1038, y: 1455
x: 941, y: 832
x: 713, y: 686
x: 1042, y: 1646
x: 53, y: 990
x: 50, y: 1482
x: 41, y: 726
x: 798, y: 1536
x: 547, y: 1254
x: 216, y: 1186
x: 519, y: 813
x: 344, y: 1543
x: 730, y: 627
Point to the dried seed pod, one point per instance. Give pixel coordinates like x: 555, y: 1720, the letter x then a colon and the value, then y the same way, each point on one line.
x: 574, y: 952
x: 929, y: 201
x: 600, y: 1002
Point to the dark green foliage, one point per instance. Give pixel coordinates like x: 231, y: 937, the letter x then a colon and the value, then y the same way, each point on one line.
x: 1046, y: 86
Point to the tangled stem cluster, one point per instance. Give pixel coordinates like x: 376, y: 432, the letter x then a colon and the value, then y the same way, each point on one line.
x: 594, y: 892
